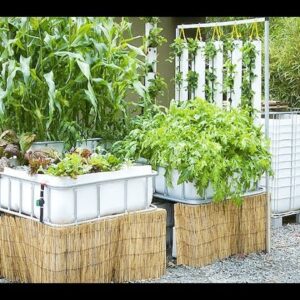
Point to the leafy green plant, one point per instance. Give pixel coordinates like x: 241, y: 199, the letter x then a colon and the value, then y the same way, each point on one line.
x: 178, y: 79
x: 151, y: 20
x: 249, y: 55
x: 193, y: 47
x: 156, y: 87
x: 102, y: 163
x: 210, y: 51
x: 13, y: 146
x: 155, y: 38
x: 176, y: 48
x: 228, y: 83
x: 207, y: 145
x: 68, y: 78
x: 39, y: 160
x: 38, y: 165
x: 192, y: 80
x: 210, y: 79
x: 75, y: 164
x: 285, y: 60
x: 9, y: 144
x: 72, y: 165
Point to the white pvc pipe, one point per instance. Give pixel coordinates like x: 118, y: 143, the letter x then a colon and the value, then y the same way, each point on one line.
x: 150, y: 75
x: 152, y: 57
x: 148, y: 27
x: 256, y: 82
x: 200, y: 69
x: 215, y: 24
x: 184, y: 68
x: 218, y: 65
x: 210, y: 84
x: 237, y: 61
x: 177, y: 70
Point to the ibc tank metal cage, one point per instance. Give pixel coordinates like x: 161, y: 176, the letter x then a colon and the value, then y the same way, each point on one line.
x: 40, y: 207
x: 284, y: 186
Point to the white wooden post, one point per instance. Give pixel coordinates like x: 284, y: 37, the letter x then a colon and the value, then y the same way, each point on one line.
x: 200, y: 69
x: 237, y: 61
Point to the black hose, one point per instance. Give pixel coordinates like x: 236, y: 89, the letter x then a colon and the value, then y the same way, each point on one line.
x: 41, y: 203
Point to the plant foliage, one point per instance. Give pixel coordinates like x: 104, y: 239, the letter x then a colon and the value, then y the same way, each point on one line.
x: 67, y: 78
x: 206, y: 144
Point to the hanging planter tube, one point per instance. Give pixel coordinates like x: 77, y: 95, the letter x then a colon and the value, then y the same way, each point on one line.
x: 237, y: 61
x: 218, y: 71
x: 256, y: 82
x: 184, y: 68
x: 199, y: 67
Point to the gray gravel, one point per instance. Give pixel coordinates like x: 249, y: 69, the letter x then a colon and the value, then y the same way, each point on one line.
x: 282, y: 264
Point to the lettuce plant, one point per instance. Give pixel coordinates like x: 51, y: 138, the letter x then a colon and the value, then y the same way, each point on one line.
x: 77, y: 163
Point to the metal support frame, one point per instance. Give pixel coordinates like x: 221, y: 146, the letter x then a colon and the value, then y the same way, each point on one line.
x: 204, y: 200
x: 151, y: 207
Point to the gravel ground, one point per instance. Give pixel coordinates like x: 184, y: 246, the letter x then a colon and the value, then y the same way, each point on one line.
x: 282, y: 264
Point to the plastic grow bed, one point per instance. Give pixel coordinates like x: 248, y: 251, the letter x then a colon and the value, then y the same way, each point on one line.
x: 71, y: 201
x: 186, y: 192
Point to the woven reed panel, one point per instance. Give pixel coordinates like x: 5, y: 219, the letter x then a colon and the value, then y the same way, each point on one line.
x: 209, y: 232
x: 115, y: 249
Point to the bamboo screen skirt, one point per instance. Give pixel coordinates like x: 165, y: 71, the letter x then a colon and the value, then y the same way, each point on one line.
x: 114, y: 249
x: 209, y: 232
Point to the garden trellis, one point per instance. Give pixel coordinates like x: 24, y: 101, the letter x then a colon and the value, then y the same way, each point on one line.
x: 210, y: 65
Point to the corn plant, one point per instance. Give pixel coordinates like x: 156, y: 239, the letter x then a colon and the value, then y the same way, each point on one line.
x: 68, y: 78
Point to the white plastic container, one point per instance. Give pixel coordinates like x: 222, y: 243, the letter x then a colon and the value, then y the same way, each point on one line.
x: 90, y: 144
x: 96, y: 195
x: 281, y: 205
x: 186, y: 190
x: 55, y: 145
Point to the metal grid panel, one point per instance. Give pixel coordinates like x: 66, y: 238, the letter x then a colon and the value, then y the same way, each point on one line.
x: 284, y: 133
